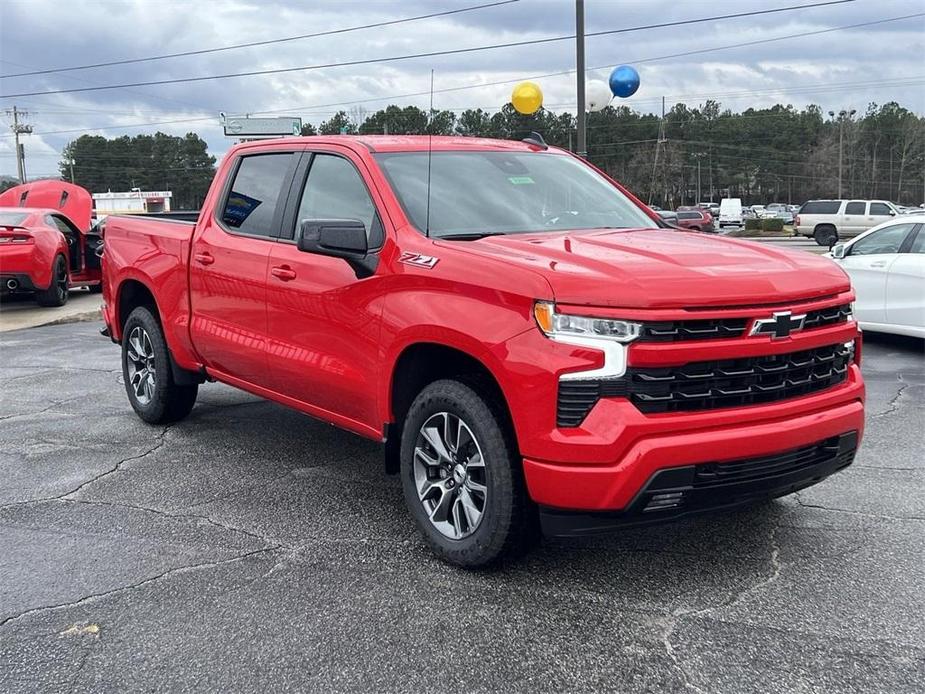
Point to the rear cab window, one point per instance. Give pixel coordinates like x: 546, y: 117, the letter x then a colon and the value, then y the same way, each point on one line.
x: 257, y: 186
x: 855, y: 207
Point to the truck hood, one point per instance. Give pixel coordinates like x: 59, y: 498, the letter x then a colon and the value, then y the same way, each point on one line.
x: 658, y: 268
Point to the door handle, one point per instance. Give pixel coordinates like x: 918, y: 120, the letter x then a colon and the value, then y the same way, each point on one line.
x: 878, y: 263
x: 284, y: 273
x: 204, y: 258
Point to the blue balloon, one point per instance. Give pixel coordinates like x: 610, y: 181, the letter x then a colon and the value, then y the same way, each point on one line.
x: 624, y: 81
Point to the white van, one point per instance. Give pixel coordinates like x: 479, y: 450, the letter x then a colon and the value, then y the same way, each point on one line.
x: 830, y: 220
x: 730, y: 212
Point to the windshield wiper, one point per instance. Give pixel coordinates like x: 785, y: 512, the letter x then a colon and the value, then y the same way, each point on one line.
x: 470, y: 235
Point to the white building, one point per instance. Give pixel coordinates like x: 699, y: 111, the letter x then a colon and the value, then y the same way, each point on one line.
x: 135, y: 201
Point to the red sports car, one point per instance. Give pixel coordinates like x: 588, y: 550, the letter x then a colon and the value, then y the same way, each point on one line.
x: 47, y: 245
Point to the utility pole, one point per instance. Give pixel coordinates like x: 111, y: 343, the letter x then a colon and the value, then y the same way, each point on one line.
x: 580, y: 75
x: 698, y: 181
x: 19, y: 129
x: 841, y: 140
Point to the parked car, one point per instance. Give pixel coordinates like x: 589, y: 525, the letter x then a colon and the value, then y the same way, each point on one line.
x: 47, y: 246
x: 780, y: 211
x: 730, y: 212
x: 517, y: 330
x: 827, y: 221
x: 695, y: 220
x: 712, y: 207
x: 669, y: 216
x: 886, y: 265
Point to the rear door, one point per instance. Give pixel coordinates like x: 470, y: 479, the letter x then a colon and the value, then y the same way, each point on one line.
x: 323, y: 320
x: 905, y: 285
x: 228, y: 267
x: 868, y: 264
x: 854, y: 218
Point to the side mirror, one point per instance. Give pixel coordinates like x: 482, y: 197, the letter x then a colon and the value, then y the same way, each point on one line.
x: 339, y: 238
x: 838, y: 251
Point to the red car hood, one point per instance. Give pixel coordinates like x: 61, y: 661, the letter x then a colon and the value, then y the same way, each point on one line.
x: 657, y: 268
x: 72, y: 201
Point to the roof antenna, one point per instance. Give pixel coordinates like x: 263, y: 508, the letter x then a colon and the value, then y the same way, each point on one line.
x: 536, y: 140
x: 430, y: 151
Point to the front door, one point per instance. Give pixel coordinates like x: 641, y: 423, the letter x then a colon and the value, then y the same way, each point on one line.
x: 228, y: 268
x: 868, y: 264
x: 905, y: 286
x: 323, y: 321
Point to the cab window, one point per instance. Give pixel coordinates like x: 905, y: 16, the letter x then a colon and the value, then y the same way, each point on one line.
x: 880, y: 209
x: 887, y: 240
x: 335, y: 190
x: 250, y: 205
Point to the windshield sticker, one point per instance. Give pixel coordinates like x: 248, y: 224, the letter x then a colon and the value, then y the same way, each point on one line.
x: 521, y: 180
x: 419, y: 260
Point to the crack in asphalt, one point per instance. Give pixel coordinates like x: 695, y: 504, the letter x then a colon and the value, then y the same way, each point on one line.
x: 168, y: 514
x: 118, y: 467
x: 56, y: 403
x: 835, y: 509
x: 134, y: 586
x: 893, y: 404
x: 677, y: 616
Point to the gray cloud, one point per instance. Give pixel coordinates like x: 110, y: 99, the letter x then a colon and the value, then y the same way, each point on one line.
x: 837, y: 70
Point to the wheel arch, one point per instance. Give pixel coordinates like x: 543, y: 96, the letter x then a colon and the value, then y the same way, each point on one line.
x: 423, y: 362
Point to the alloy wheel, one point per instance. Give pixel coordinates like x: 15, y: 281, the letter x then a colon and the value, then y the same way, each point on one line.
x: 142, y: 374
x: 449, y: 475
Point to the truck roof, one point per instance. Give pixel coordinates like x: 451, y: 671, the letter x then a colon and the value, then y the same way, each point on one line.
x: 410, y: 143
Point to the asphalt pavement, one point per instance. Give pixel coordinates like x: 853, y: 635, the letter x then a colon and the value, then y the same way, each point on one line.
x: 251, y: 548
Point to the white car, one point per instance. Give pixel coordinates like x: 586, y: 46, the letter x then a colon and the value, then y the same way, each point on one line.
x: 886, y: 265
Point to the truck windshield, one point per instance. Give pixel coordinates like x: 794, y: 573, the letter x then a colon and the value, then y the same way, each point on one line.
x: 486, y: 193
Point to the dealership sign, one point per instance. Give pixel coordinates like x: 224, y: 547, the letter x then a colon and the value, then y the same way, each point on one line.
x: 242, y: 126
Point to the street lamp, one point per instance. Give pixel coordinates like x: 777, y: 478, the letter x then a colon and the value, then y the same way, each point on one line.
x: 842, y: 115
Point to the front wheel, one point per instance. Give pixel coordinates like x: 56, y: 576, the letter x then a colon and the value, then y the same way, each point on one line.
x: 57, y: 292
x: 462, y: 478
x: 146, y: 370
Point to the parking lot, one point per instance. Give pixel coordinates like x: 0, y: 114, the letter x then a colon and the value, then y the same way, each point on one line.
x: 250, y: 547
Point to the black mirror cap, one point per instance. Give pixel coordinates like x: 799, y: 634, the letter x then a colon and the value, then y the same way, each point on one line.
x: 341, y: 238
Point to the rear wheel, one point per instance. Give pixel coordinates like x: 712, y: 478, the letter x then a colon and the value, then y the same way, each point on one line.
x: 825, y: 235
x: 57, y: 292
x: 462, y: 478
x: 147, y: 372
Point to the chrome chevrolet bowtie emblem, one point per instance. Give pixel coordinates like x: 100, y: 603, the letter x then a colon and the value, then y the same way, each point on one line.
x: 780, y: 325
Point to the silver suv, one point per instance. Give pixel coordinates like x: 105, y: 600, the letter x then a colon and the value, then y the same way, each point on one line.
x: 827, y: 221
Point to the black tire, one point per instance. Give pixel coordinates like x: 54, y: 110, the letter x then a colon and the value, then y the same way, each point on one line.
x: 162, y: 401
x: 508, y: 524
x: 57, y: 292
x: 825, y: 235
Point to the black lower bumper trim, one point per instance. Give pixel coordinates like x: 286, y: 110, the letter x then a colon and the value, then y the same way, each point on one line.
x: 673, y: 493
x: 23, y: 282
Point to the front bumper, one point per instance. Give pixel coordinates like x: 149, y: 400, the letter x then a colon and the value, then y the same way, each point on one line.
x: 676, y: 492
x: 641, y: 445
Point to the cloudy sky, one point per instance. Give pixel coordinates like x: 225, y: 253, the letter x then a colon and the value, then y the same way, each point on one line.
x: 838, y: 69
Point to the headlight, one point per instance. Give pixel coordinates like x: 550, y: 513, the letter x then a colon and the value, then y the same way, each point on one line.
x: 555, y: 324
x: 607, y: 335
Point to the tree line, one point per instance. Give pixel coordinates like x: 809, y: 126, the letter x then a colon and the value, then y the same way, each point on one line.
x: 776, y: 154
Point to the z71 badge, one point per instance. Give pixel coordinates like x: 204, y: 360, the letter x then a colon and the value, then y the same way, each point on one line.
x: 427, y: 261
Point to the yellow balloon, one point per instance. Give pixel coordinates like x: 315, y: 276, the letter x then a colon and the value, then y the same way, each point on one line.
x: 527, y: 98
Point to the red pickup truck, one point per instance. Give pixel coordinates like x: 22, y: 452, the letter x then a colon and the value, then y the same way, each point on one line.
x: 532, y: 347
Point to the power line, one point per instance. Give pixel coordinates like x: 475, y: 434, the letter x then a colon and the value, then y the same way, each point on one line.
x: 432, y: 54
x: 375, y: 25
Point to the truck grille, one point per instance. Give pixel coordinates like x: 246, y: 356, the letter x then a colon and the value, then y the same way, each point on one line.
x: 710, y: 385
x: 722, y: 328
